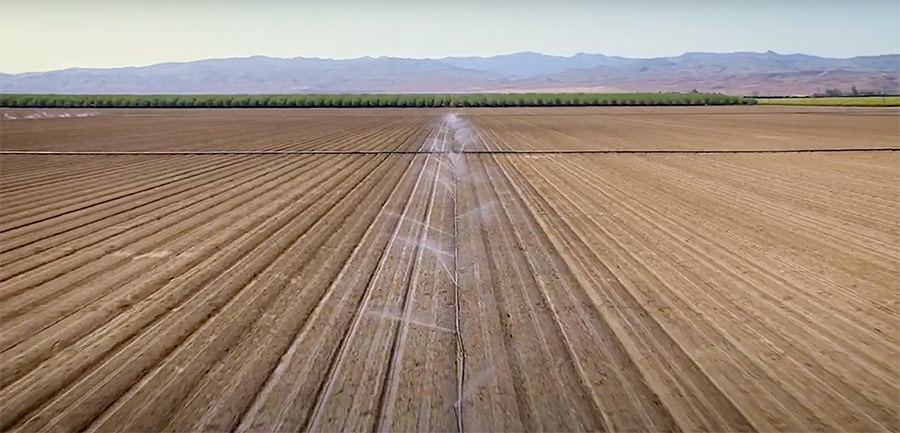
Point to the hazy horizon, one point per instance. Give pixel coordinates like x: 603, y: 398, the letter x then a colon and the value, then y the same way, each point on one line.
x: 431, y: 58
x: 104, y: 34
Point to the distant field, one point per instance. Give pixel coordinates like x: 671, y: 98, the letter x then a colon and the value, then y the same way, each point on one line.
x: 861, y: 101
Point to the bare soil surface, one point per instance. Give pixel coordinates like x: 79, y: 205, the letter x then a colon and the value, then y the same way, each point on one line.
x: 215, y: 129
x: 450, y: 291
x: 693, y: 128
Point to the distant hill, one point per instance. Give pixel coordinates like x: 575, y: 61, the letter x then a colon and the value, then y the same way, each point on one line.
x: 742, y: 73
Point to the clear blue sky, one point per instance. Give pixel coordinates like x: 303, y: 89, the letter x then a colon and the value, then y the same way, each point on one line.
x: 41, y: 35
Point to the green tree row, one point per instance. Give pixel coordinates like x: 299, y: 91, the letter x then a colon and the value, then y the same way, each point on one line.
x: 371, y: 100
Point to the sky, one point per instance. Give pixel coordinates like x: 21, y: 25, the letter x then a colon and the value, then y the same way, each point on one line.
x: 41, y: 35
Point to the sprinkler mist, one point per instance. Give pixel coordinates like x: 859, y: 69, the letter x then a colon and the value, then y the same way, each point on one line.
x: 456, y: 162
x: 446, y: 165
x: 460, y: 136
x: 463, y: 137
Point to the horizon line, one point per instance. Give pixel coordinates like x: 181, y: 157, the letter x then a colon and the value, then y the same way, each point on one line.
x: 437, y: 58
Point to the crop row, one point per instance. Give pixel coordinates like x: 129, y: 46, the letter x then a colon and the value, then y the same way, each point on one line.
x: 372, y: 100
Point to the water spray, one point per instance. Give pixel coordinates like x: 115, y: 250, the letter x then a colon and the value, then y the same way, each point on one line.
x: 456, y: 162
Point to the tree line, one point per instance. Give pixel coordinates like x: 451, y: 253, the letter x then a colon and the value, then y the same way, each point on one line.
x: 369, y: 100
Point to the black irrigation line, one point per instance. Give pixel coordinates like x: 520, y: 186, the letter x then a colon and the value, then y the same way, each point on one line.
x: 689, y: 151
x: 427, y: 152
x: 213, y: 152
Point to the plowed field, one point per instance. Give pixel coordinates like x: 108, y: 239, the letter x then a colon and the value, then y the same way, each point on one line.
x: 395, y: 273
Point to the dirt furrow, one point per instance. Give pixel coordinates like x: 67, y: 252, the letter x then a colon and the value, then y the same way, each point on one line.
x: 353, y: 388
x: 451, y: 291
x: 735, y: 228
x: 845, y: 392
x: 111, y: 198
x: 663, y: 307
x: 245, y: 370
x: 420, y: 385
x: 252, y: 313
x: 62, y: 249
x: 180, y: 252
x: 57, y: 250
x: 139, y: 334
x: 279, y: 405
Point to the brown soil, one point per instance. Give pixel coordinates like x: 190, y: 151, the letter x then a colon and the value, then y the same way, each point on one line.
x: 429, y: 292
x: 698, y: 128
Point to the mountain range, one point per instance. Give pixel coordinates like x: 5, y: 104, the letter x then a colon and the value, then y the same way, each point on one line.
x: 739, y: 73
